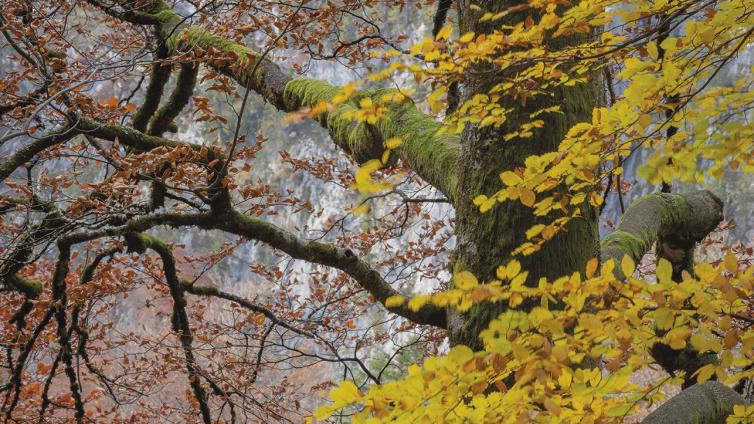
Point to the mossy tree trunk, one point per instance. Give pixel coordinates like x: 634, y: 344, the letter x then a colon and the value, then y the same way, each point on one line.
x: 486, y: 240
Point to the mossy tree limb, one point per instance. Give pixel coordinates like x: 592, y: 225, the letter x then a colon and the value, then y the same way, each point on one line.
x: 676, y: 222
x: 184, y: 88
x: 432, y: 156
x: 24, y: 154
x: 180, y: 320
x: 708, y: 403
x: 157, y: 80
x: 229, y: 220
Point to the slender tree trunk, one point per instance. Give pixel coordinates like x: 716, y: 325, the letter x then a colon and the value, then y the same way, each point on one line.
x: 486, y: 240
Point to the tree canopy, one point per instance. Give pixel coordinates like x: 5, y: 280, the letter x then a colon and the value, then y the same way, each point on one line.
x: 443, y: 257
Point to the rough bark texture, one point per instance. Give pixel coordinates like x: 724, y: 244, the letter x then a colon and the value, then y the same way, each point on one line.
x: 486, y: 240
x: 708, y: 403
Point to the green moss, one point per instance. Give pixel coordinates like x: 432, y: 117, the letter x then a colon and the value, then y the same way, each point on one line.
x: 626, y: 242
x: 433, y: 156
x: 31, y: 288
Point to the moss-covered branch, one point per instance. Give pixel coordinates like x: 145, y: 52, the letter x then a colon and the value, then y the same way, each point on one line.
x: 329, y: 255
x: 26, y: 153
x: 708, y: 403
x: 184, y: 88
x: 433, y: 156
x: 157, y: 80
x: 676, y: 222
x: 51, y: 225
x: 180, y: 321
x: 255, y: 229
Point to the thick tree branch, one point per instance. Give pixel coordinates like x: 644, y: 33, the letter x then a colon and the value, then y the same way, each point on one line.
x: 255, y: 229
x: 180, y: 321
x: 184, y: 88
x: 432, y: 156
x: 26, y: 153
x: 675, y: 221
x: 60, y: 297
x: 329, y: 255
x: 708, y: 403
x: 157, y: 80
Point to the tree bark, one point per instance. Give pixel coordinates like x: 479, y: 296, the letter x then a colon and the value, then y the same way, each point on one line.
x: 676, y: 222
x: 708, y: 403
x: 486, y: 240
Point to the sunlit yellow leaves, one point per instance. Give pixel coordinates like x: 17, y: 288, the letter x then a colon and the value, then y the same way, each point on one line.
x: 465, y: 280
x: 677, y: 337
x: 510, y: 178
x: 549, y: 21
x: 627, y: 266
x: 664, y: 271
x: 548, y: 326
x: 444, y: 33
x: 364, y: 181
x: 394, y: 301
x: 435, y: 100
x: 731, y: 262
x: 521, y: 344
x: 664, y: 318
x: 741, y: 414
x: 345, y: 394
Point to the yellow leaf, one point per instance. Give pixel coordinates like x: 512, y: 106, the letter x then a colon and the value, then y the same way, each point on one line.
x: 365, y: 103
x: 512, y: 269
x: 591, y: 267
x: 652, y: 50
x: 465, y: 280
x: 465, y: 38
x: 731, y: 262
x: 444, y: 33
x: 394, y: 300
x: 644, y: 120
x: 595, y: 199
x: 436, y: 104
x: 664, y: 271
x: 704, y: 373
x: 664, y: 318
x: 346, y: 393
x: 534, y: 231
x: 527, y: 197
x: 487, y: 121
x: 549, y: 21
x: 510, y: 178
x: 677, y: 337
x: 620, y: 411
x: 627, y: 265
x: 417, y: 302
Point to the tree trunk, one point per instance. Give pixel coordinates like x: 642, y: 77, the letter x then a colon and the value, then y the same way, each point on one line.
x: 486, y: 240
